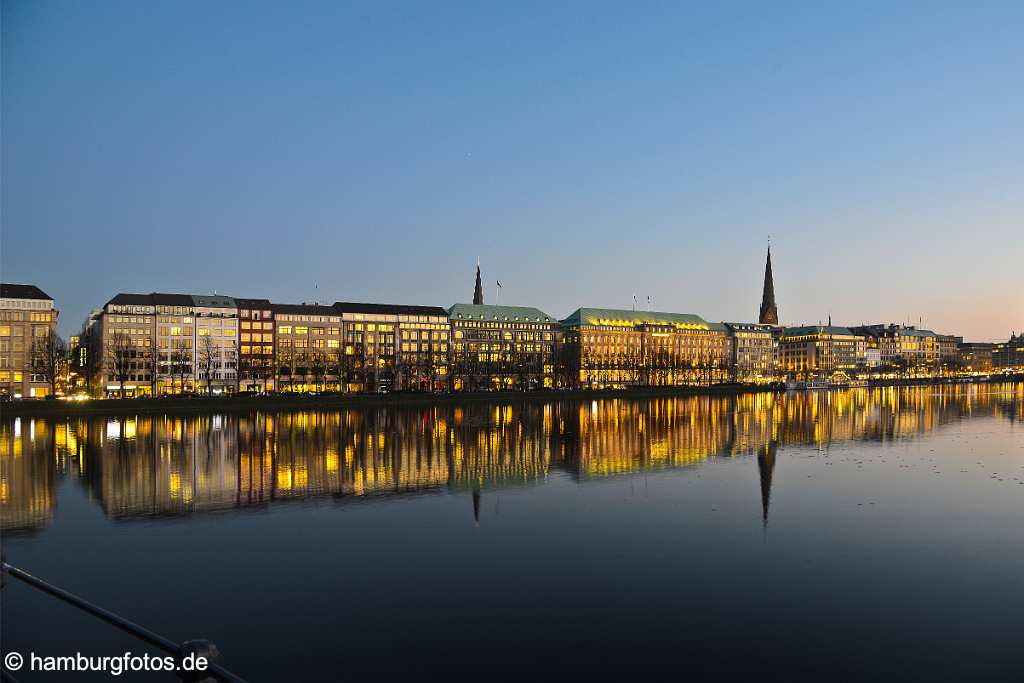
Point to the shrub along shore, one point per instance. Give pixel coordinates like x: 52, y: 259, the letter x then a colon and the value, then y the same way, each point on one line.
x: 327, y: 401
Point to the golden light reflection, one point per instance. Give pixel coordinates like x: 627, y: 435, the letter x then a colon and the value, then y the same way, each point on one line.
x: 166, y: 466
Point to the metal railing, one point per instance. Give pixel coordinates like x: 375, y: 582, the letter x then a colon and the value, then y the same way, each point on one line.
x: 166, y: 645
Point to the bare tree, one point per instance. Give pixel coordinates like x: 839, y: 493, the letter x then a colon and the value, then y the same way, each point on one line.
x: 317, y: 367
x: 49, y: 358
x: 207, y: 360
x: 181, y: 362
x: 119, y: 357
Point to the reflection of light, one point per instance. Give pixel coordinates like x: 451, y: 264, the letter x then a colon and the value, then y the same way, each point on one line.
x: 17, y: 427
x: 332, y: 460
x: 32, y: 430
x: 129, y: 429
x: 113, y: 429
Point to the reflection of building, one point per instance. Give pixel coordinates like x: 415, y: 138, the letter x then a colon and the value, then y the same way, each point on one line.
x: 157, y: 466
x: 27, y: 319
x: 617, y: 348
x: 1009, y: 355
x: 27, y: 496
x: 752, y: 351
x: 501, y: 347
x: 820, y: 349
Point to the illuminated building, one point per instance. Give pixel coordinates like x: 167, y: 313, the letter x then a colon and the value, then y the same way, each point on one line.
x: 752, y: 351
x: 162, y: 343
x: 976, y: 356
x: 949, y: 348
x: 127, y: 329
x: 619, y: 348
x: 820, y: 350
x: 501, y: 347
x: 27, y: 318
x: 216, y: 342
x: 308, y: 347
x: 408, y: 343
x: 904, y: 344
x: 1009, y: 355
x: 255, y: 344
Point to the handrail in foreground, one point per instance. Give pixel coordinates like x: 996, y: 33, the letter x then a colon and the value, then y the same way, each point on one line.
x: 142, y: 633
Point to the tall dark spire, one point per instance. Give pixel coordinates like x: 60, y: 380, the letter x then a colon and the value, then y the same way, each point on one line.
x: 769, y: 312
x: 478, y: 291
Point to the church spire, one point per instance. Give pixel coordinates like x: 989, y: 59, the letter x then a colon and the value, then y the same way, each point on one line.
x: 769, y: 312
x: 478, y: 291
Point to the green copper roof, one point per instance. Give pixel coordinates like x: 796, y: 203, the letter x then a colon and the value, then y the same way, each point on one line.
x: 906, y: 332
x: 817, y: 329
x: 510, y: 313
x: 614, y: 317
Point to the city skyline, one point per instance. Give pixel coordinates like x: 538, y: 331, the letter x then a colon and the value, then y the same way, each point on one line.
x: 142, y: 152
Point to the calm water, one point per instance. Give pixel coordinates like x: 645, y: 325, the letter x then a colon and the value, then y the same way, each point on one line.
x: 845, y: 535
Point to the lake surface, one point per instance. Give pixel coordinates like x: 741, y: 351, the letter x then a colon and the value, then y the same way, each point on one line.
x: 843, y: 535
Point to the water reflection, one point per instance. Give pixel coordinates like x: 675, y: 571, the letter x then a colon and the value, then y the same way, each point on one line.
x: 167, y: 465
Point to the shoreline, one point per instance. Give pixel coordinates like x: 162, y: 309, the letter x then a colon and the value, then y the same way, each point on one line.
x: 234, y: 404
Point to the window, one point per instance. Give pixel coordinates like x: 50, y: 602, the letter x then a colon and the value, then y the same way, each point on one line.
x: 285, y: 329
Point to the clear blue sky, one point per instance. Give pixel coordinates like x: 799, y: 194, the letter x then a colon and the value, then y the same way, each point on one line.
x: 585, y: 151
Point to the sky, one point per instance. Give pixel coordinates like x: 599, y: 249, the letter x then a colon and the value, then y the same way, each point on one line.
x: 586, y: 152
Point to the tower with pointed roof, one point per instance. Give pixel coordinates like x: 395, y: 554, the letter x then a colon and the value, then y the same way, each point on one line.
x: 478, y: 291
x: 769, y: 312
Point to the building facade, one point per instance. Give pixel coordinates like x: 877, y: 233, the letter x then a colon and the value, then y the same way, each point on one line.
x: 28, y: 320
x: 410, y: 343
x: 752, y: 352
x: 216, y: 359
x: 501, y: 347
x: 1009, y: 355
x: 976, y: 356
x: 255, y: 345
x: 615, y: 348
x: 820, y: 350
x: 904, y: 345
x: 309, y: 344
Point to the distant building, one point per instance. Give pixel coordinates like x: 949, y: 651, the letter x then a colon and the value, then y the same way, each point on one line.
x: 949, y: 348
x: 903, y: 344
x: 27, y: 317
x: 769, y: 314
x: 1009, y: 355
x: 502, y: 347
x: 819, y: 350
x: 976, y: 356
x: 752, y: 351
x: 619, y: 348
